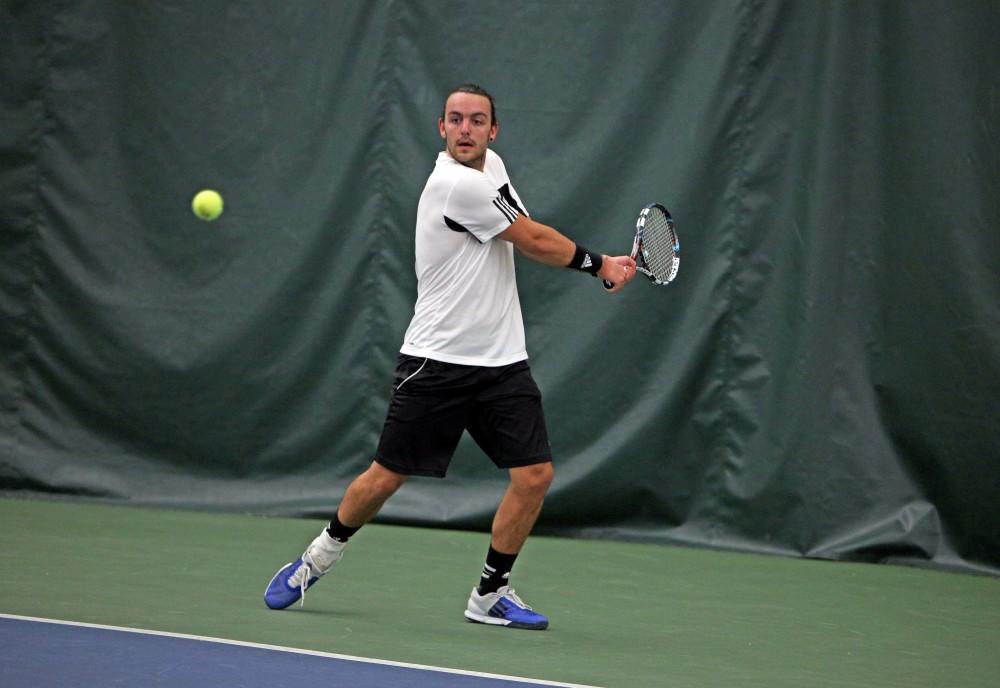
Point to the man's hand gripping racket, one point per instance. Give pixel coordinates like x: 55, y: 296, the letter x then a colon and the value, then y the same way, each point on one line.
x: 655, y: 249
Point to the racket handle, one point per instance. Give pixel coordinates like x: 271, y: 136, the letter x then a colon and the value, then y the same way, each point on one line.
x: 608, y: 285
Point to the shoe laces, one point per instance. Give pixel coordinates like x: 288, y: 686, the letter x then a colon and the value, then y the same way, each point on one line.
x: 511, y: 595
x: 302, y: 576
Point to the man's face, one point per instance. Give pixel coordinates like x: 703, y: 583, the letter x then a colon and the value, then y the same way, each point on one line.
x: 467, y: 128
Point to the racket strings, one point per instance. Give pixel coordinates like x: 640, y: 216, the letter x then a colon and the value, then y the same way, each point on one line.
x: 659, y: 246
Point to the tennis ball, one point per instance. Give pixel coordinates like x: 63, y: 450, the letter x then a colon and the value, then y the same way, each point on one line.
x: 207, y: 205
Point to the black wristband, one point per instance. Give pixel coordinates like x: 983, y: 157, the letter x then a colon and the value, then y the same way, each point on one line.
x: 586, y: 261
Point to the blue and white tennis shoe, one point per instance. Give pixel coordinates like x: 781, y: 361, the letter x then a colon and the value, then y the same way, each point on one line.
x: 290, y: 583
x: 503, y: 608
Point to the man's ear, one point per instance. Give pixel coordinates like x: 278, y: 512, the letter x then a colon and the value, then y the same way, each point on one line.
x: 441, y: 128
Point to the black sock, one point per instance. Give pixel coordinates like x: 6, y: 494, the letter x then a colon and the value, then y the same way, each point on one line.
x: 496, y: 571
x: 338, y: 531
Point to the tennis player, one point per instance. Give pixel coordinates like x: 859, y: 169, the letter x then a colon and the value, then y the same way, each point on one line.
x: 463, y: 363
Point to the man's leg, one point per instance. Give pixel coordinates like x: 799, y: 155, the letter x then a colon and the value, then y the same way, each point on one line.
x: 520, y: 506
x: 364, y: 497
x: 367, y: 493
x: 492, y: 601
x: 513, y: 521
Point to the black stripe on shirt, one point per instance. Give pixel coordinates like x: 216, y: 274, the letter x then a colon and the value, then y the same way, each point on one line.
x: 454, y: 226
x: 514, y: 209
x: 507, y: 211
x: 509, y: 197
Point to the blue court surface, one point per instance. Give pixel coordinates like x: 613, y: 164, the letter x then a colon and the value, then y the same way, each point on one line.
x: 38, y: 653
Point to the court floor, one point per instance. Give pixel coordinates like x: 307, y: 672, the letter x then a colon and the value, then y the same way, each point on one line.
x: 98, y: 655
x: 623, y: 615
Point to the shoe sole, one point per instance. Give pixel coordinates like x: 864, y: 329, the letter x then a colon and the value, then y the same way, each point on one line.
x: 493, y: 621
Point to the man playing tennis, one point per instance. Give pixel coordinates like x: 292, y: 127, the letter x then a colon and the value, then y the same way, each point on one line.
x: 463, y: 363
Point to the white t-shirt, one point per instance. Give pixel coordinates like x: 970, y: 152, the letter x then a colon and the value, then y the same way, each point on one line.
x: 467, y: 310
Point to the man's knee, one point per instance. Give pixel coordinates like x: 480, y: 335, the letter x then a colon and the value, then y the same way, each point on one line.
x: 384, y: 481
x: 534, y: 478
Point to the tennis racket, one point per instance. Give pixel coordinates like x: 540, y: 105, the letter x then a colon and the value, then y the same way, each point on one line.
x: 656, y: 249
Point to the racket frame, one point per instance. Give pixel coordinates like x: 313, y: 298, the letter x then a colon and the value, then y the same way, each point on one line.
x: 639, y: 253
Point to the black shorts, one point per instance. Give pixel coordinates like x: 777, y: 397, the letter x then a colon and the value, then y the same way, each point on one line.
x: 433, y: 402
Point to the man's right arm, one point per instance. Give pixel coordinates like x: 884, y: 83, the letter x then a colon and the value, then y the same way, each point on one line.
x: 549, y: 246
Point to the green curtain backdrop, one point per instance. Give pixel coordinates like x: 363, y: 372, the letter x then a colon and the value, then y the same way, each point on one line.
x: 820, y: 381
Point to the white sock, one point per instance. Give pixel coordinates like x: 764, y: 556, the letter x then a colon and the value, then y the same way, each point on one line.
x: 325, y: 551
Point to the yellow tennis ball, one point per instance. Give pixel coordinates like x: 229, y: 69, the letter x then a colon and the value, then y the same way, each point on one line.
x: 207, y: 204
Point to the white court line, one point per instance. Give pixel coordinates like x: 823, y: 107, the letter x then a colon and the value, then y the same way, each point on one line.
x: 297, y: 651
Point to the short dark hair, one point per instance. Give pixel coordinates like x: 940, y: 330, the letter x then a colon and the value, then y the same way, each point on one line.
x: 477, y: 90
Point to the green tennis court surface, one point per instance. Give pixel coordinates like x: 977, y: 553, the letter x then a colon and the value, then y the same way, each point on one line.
x: 623, y: 615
